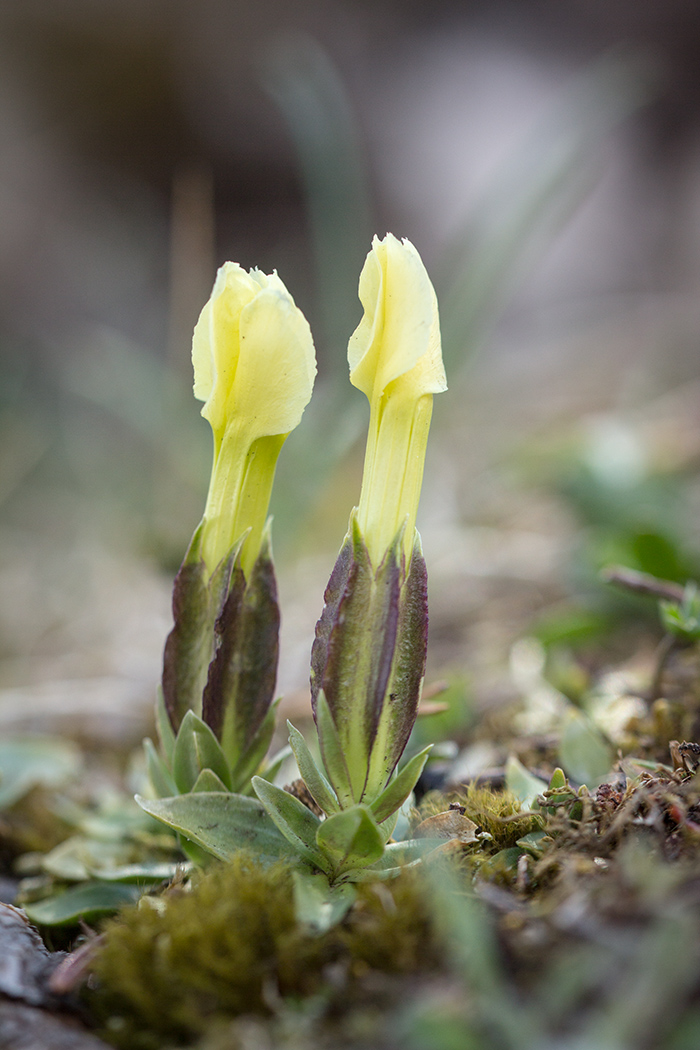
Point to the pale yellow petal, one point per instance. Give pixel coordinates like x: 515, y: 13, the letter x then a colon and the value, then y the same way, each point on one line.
x: 276, y: 364
x: 399, y: 332
x: 215, y: 342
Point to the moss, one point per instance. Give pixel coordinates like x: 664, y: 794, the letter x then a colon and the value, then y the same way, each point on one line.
x: 495, y: 812
x: 171, y: 969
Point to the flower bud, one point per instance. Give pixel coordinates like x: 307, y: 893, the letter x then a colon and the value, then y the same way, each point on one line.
x: 254, y: 368
x: 395, y: 358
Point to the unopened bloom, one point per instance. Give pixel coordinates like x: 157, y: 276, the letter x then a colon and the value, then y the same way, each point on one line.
x: 395, y: 358
x: 254, y: 368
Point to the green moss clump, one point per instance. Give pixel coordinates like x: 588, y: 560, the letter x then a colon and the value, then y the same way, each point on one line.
x: 172, y: 968
x: 495, y: 812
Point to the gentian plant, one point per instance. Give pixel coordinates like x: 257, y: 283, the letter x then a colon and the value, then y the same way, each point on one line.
x: 254, y: 368
x: 368, y: 657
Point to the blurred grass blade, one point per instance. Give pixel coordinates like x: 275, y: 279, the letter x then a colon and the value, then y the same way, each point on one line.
x: 537, y: 192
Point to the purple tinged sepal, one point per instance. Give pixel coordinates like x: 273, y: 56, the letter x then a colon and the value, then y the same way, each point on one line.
x: 198, y: 600
x: 368, y: 660
x: 241, y: 676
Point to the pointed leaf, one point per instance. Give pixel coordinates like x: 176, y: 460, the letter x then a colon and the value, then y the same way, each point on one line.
x: 158, y: 773
x: 583, y: 752
x: 388, y: 826
x: 557, y: 780
x: 396, y: 858
x: 166, y: 734
x: 90, y: 901
x: 318, y: 786
x: 271, y: 769
x: 296, y: 822
x: 332, y: 752
x: 524, y: 784
x: 351, y: 839
x: 221, y: 823
x: 397, y: 790
x: 208, y: 781
x: 196, y: 748
x: 250, y: 761
x: 319, y: 905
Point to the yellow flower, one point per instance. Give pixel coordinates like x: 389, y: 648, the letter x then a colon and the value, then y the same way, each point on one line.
x: 396, y: 360
x: 254, y: 368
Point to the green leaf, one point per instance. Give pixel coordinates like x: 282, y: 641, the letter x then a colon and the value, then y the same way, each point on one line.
x: 583, y: 752
x: 332, y: 752
x: 557, y: 781
x: 271, y: 768
x: 318, y: 786
x: 400, y: 787
x: 28, y: 761
x: 87, y: 902
x: 196, y: 748
x: 250, y: 761
x: 525, y: 785
x: 158, y: 773
x: 208, y: 781
x: 532, y: 843
x: 317, y: 904
x: 388, y: 826
x: 221, y: 823
x: 351, y: 839
x: 154, y: 872
x: 396, y: 858
x: 166, y: 734
x: 296, y: 822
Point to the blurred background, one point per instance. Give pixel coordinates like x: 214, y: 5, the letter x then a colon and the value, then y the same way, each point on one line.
x: 544, y: 157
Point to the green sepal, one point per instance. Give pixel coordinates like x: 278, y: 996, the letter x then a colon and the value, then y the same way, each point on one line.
x: 158, y: 773
x: 319, y: 788
x: 241, y: 677
x: 208, y: 781
x: 296, y: 822
x: 318, y: 905
x: 166, y: 733
x: 198, y: 600
x: 332, y: 752
x: 250, y: 761
x: 354, y: 649
x: 397, y: 716
x: 196, y: 748
x: 220, y: 823
x: 351, y: 839
x: 400, y: 787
